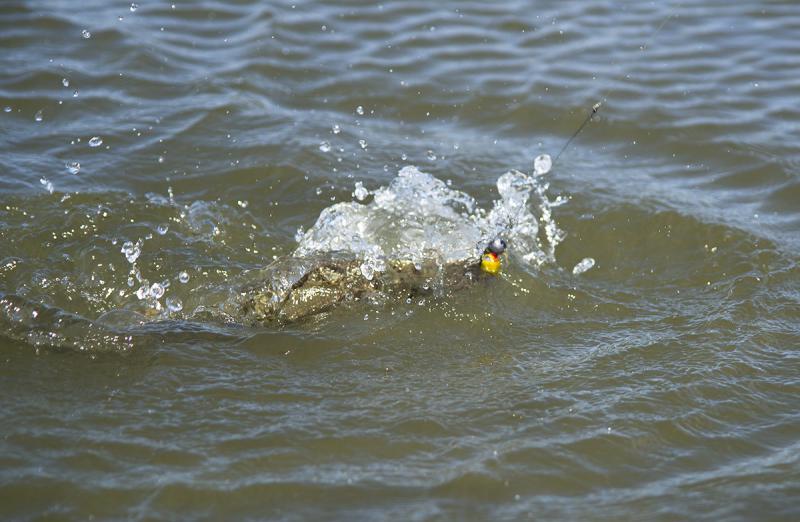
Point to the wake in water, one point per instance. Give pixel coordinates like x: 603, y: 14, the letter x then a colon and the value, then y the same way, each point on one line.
x: 417, y: 231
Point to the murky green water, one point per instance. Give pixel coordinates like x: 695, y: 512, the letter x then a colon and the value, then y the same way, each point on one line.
x: 660, y: 384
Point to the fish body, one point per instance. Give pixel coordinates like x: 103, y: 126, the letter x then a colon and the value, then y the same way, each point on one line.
x: 328, y: 283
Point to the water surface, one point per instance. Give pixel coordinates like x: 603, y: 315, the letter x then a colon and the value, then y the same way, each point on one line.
x: 184, y: 144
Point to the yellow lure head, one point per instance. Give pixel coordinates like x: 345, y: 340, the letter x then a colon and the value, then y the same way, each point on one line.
x: 490, y: 263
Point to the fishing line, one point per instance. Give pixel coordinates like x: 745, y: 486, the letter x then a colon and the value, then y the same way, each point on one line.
x: 595, y: 108
x: 604, y: 94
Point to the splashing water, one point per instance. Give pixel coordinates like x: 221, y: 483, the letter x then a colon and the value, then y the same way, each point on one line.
x: 418, y: 217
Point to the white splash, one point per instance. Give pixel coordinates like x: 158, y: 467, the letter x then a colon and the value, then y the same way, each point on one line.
x: 417, y: 217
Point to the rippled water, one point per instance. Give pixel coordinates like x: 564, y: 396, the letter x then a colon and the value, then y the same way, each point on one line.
x: 155, y: 156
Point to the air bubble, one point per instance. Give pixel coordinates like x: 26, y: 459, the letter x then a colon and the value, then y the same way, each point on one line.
x: 162, y: 229
x: 183, y: 277
x: 134, y: 7
x: 86, y: 34
x: 39, y: 116
x: 430, y: 155
x: 95, y: 142
x: 65, y: 82
x: 360, y: 110
x: 362, y: 144
x: 336, y: 129
x: 325, y: 146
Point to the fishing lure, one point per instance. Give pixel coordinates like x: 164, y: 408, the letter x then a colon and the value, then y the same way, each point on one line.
x: 490, y: 259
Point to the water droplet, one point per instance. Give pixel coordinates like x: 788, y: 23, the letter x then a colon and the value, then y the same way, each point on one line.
x: 73, y: 167
x: 336, y: 129
x: 325, y: 146
x: 96, y: 141
x: 542, y: 165
x: 183, y: 277
x: 39, y: 116
x: 584, y: 265
x: 65, y: 82
x: 156, y: 290
x: 360, y: 110
x: 134, y: 7
x: 360, y: 193
x: 363, y: 143
x: 174, y: 304
x: 131, y: 250
x: 47, y: 185
x: 86, y: 34
x: 367, y: 271
x: 162, y: 229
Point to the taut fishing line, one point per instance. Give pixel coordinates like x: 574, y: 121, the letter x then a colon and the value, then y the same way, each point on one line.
x: 594, y: 109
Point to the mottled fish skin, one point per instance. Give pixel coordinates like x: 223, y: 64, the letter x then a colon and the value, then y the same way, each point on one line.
x: 329, y: 284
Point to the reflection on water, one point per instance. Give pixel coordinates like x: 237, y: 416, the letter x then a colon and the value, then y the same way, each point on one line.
x: 636, y: 357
